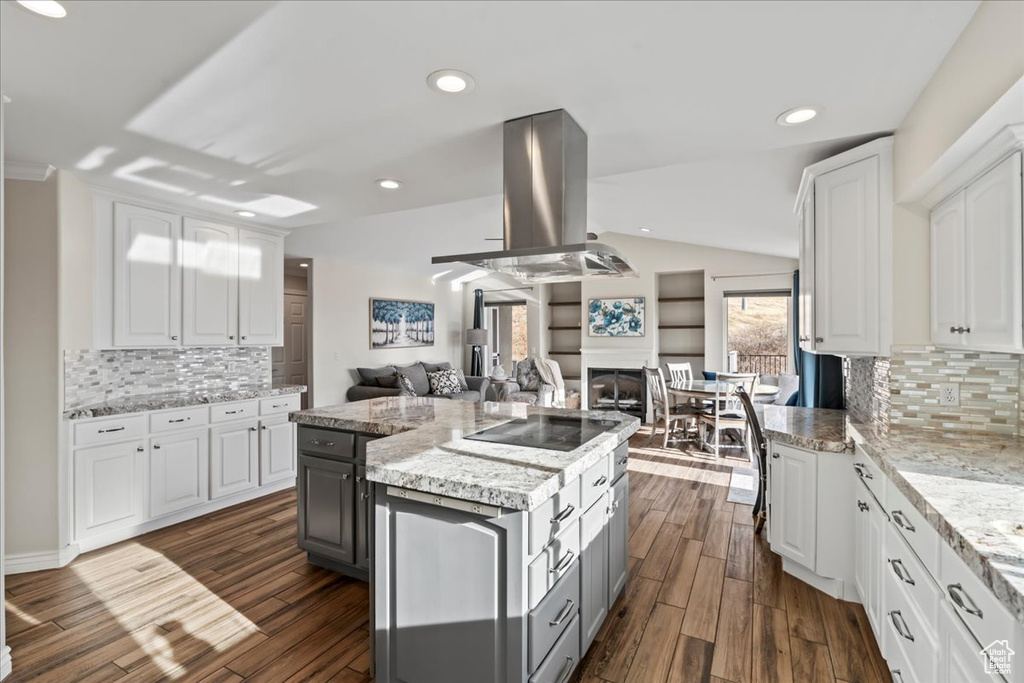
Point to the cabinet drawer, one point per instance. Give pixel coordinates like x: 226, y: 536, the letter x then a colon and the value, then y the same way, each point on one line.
x: 912, y: 525
x: 917, y: 583
x: 327, y: 442
x: 553, y: 615
x: 870, y: 474
x: 553, y: 516
x: 959, y: 652
x: 224, y: 412
x: 564, y: 657
x: 553, y: 563
x: 280, y: 404
x: 109, y: 431
x: 595, y: 482
x: 178, y: 419
x: 907, y: 632
x: 620, y: 460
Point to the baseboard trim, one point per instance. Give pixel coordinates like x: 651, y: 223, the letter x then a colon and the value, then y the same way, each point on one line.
x: 5, y: 663
x: 831, y: 587
x: 22, y: 563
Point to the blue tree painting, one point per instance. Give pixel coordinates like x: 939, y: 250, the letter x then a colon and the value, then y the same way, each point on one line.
x: 617, y: 317
x: 398, y: 324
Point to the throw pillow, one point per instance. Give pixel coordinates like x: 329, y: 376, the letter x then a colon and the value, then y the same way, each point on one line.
x: 434, y: 367
x: 405, y: 387
x: 444, y: 383
x: 418, y: 376
x: 462, y: 380
x: 390, y: 382
x: 371, y: 376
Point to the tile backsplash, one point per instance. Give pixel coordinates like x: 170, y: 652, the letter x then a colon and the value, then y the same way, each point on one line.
x: 92, y: 377
x: 868, y: 389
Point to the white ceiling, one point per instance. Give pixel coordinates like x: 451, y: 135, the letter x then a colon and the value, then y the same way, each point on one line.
x: 293, y: 109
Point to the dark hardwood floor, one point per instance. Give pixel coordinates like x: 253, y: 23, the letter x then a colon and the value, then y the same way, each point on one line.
x: 228, y: 597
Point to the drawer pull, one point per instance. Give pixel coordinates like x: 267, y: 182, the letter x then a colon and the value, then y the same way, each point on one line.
x: 566, y: 670
x: 180, y: 419
x: 901, y: 625
x: 279, y: 405
x: 232, y: 412
x: 901, y: 572
x: 602, y: 481
x: 862, y: 506
x: 623, y: 460
x: 346, y: 476
x: 775, y: 456
x: 897, y: 676
x: 140, y: 449
x: 318, y: 442
x: 862, y: 471
x: 108, y: 431
x: 563, y: 515
x: 564, y: 614
x: 902, y: 521
x: 957, y: 595
x: 563, y: 563
x: 156, y: 446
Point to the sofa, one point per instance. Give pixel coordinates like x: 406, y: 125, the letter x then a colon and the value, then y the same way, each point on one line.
x: 371, y: 380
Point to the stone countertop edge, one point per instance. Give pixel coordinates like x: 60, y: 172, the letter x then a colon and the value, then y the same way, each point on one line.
x: 185, y: 399
x: 997, y: 567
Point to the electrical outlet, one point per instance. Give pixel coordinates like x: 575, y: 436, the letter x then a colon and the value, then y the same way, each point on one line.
x: 949, y: 394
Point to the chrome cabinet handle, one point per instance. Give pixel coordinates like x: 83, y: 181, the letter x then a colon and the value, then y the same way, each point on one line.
x: 563, y: 563
x: 901, y: 625
x: 564, y: 614
x: 346, y: 476
x: 602, y: 481
x: 902, y: 521
x: 897, y: 676
x: 279, y: 405
x: 140, y: 449
x: 231, y: 336
x: 567, y: 669
x: 958, y: 599
x: 901, y: 572
x: 563, y: 515
x: 318, y: 442
x: 252, y: 429
x: 180, y: 419
x: 819, y: 340
x: 862, y: 471
x: 862, y: 506
x: 952, y: 330
x: 108, y: 431
x: 967, y: 330
x: 623, y: 461
x: 775, y: 456
x: 174, y: 338
x: 156, y: 446
x: 232, y: 412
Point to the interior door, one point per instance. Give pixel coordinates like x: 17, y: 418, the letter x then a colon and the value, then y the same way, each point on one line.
x: 947, y: 261
x: 210, y: 283
x: 290, y: 365
x: 260, y: 288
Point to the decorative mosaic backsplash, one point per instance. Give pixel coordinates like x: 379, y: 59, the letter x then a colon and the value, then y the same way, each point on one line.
x: 868, y: 389
x: 92, y: 377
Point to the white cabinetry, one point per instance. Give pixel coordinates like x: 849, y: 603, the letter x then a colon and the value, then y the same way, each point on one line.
x: 868, y: 540
x: 234, y: 458
x: 947, y: 248
x: 794, y: 504
x: 277, y: 449
x: 108, y: 486
x: 806, y: 293
x: 210, y: 291
x: 260, y: 288
x: 179, y: 471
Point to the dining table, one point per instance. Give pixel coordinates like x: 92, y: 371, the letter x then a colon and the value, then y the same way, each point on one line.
x: 708, y: 388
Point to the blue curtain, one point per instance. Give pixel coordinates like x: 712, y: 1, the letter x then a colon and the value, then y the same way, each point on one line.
x: 821, y: 375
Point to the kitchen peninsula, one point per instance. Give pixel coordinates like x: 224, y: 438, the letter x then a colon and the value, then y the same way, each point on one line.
x: 497, y: 531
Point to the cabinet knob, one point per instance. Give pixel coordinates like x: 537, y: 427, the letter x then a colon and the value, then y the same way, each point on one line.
x: 231, y: 336
x: 156, y: 447
x: 346, y: 476
x: 174, y: 338
x: 952, y: 330
x: 819, y: 340
x: 775, y: 456
x: 244, y: 337
x: 862, y: 505
x: 140, y: 449
x: 252, y: 429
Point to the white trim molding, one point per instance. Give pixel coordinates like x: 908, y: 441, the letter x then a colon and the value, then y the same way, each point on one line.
x: 5, y: 662
x: 966, y: 166
x: 22, y: 563
x: 881, y: 146
x: 26, y: 170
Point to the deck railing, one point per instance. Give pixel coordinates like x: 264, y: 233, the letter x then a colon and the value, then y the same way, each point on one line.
x: 762, y: 364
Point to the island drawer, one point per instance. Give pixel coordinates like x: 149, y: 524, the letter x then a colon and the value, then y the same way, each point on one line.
x: 908, y: 632
x: 553, y: 563
x: 109, y: 431
x: 564, y: 657
x: 870, y: 474
x: 913, y: 527
x: 553, y: 615
x: 620, y: 460
x: 326, y: 442
x: 178, y: 419
x: 554, y: 515
x: 595, y: 481
x: 280, y: 404
x: 224, y: 412
x: 908, y: 571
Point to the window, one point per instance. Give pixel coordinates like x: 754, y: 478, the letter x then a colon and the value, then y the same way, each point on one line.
x: 758, y: 329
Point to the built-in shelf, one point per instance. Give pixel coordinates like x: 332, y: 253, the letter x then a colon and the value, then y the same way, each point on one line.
x: 564, y: 327
x: 680, y: 327
x: 565, y: 303
x: 693, y: 354
x: 679, y: 299
x: 565, y: 332
x: 563, y: 353
x: 681, y: 317
x: 570, y: 378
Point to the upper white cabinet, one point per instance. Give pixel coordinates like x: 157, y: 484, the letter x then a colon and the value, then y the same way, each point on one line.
x: 147, y: 277
x: 977, y: 264
x: 188, y: 282
x: 845, y: 210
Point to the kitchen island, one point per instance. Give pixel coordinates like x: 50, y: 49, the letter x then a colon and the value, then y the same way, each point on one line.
x: 490, y: 560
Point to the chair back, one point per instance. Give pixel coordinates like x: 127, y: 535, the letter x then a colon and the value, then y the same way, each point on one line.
x: 679, y: 372
x: 760, y: 445
x: 656, y: 389
x: 760, y: 456
x: 727, y: 398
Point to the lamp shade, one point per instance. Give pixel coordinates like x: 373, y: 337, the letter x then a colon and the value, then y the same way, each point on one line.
x: 476, y: 337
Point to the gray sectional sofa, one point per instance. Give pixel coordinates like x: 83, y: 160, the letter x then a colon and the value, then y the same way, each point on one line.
x: 370, y: 380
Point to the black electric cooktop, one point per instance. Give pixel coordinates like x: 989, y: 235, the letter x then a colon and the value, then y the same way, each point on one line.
x: 553, y: 432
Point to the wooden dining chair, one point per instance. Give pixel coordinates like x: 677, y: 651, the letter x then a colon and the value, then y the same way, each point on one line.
x: 679, y: 372
x: 759, y: 456
x: 728, y: 411
x: 665, y: 413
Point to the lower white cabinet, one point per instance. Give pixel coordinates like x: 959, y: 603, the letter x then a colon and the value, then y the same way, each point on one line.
x: 108, y: 487
x: 869, y: 532
x: 179, y: 471
x: 794, y: 504
x: 234, y: 458
x: 277, y: 449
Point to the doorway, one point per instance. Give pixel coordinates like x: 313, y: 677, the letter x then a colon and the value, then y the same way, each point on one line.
x: 757, y: 335
x: 509, y: 342
x: 290, y: 363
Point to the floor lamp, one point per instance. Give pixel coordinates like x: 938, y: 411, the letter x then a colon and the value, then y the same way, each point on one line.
x: 476, y: 337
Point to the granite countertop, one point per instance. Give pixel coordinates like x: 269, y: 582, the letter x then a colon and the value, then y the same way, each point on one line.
x: 178, y: 399
x: 969, y: 486
x: 427, y: 451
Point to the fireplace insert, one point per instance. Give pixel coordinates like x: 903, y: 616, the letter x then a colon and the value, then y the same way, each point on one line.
x: 617, y: 389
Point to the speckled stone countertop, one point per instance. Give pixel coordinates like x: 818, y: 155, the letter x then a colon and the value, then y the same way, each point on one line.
x: 970, y: 487
x: 178, y: 399
x: 427, y: 451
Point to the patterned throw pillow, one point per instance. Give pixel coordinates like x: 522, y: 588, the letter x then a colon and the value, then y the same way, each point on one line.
x: 444, y: 382
x: 405, y: 387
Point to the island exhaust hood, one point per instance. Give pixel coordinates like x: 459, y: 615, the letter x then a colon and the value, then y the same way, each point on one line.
x: 545, y: 206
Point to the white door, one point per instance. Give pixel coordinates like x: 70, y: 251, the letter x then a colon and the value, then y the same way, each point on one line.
x: 947, y: 262
x: 210, y: 290
x: 277, y: 450
x: 147, y: 277
x: 108, y: 487
x: 234, y: 458
x: 260, y: 288
x: 794, y: 504
x: 179, y: 471
x: 993, y: 258
x: 807, y: 273
x: 846, y: 259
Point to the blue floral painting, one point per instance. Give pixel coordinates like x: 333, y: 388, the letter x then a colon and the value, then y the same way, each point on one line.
x: 617, y: 317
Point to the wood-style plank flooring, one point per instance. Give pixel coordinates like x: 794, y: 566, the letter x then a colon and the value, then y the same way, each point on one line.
x: 228, y: 597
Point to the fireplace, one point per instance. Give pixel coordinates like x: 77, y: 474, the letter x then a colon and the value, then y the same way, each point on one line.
x: 617, y: 389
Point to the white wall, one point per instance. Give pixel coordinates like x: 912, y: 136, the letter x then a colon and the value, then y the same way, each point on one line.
x: 341, y: 329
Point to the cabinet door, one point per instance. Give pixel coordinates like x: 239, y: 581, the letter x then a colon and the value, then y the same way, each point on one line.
x: 846, y: 259
x: 327, y: 507
x: 234, y: 458
x: 869, y: 531
x: 277, y: 450
x: 260, y: 288
x: 210, y: 289
x: 179, y: 471
x: 806, y: 293
x: 993, y: 258
x: 147, y: 277
x: 947, y: 262
x: 960, y: 659
x: 618, y: 538
x: 363, y: 514
x: 594, y: 565
x: 794, y: 502
x: 108, y: 487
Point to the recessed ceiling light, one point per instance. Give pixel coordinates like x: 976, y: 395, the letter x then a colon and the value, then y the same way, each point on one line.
x: 389, y: 183
x: 303, y: 265
x: 47, y: 8
x: 645, y: 229
x: 450, y: 81
x: 796, y: 115
x: 245, y: 214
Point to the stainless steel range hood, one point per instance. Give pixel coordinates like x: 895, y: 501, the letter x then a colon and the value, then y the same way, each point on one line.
x: 545, y: 168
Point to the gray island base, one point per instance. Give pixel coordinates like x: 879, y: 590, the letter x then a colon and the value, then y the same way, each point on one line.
x: 488, y: 562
